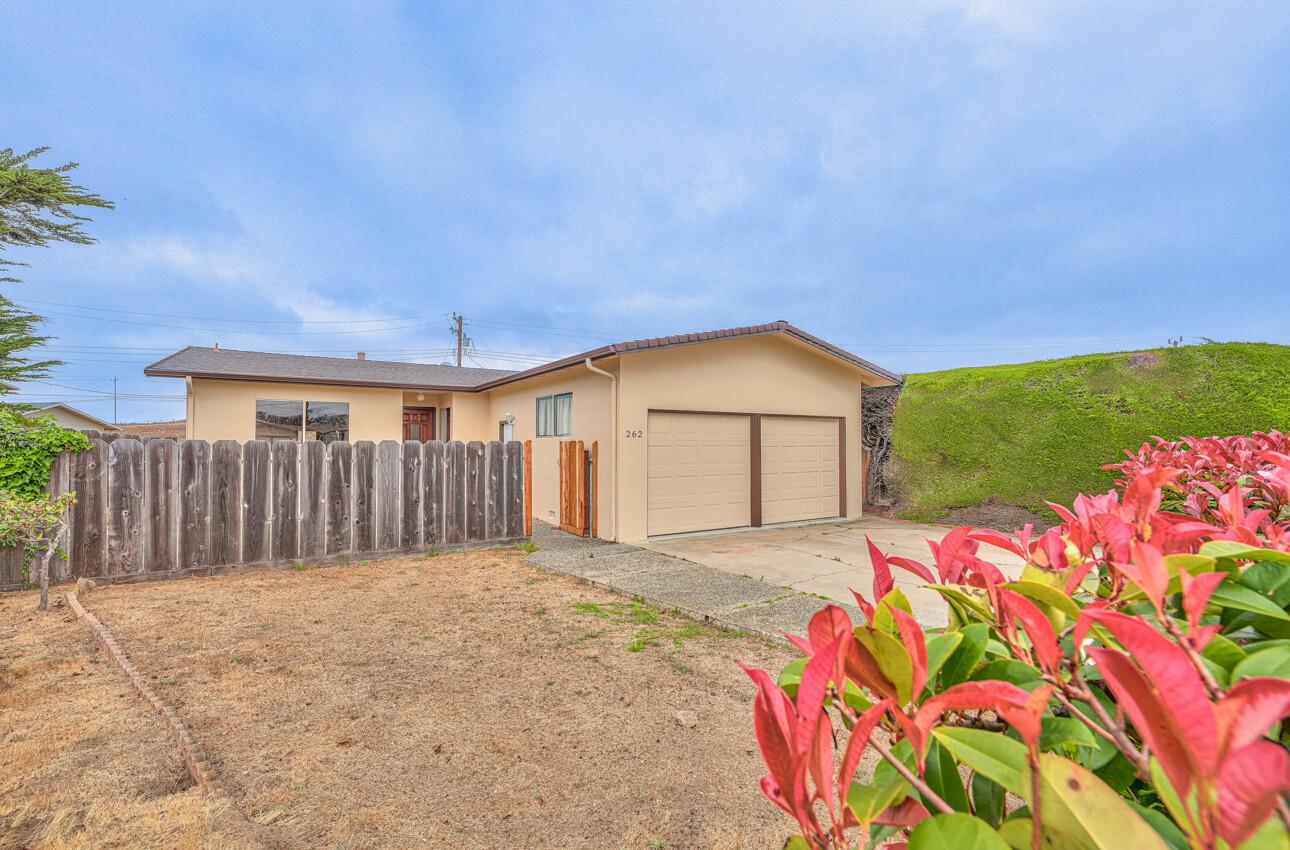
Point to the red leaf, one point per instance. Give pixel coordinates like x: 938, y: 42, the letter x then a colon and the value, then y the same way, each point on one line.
x: 1037, y: 627
x: 916, y: 645
x: 829, y: 623
x: 1001, y: 540
x: 860, y: 734
x: 882, y: 581
x: 1179, y: 696
x: 1146, y: 568
x: 1141, y: 704
x: 1249, y: 709
x: 1251, y: 780
x: 991, y: 693
x: 905, y: 813
x: 1196, y: 591
x: 913, y: 566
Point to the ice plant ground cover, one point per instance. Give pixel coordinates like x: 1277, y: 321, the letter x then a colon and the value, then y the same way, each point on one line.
x: 1129, y: 690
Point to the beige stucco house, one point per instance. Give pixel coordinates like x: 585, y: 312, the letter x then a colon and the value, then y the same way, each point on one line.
x: 70, y: 417
x: 722, y: 429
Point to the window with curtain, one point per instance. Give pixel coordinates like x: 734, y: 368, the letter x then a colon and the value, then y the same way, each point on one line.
x: 555, y: 415
x: 564, y: 414
x: 545, y: 416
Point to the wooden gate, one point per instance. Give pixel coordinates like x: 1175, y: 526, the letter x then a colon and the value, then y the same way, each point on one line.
x: 578, y: 488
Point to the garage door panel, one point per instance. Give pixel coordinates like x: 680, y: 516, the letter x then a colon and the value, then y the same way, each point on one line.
x: 699, y: 472
x: 801, y: 469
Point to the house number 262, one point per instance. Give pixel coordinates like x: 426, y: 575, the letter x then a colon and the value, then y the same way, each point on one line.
x: 634, y: 435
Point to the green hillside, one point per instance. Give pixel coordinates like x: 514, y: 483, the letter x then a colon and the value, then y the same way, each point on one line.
x: 1013, y: 436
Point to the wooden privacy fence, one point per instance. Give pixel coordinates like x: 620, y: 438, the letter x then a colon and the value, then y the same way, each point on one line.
x: 578, y: 467
x: 160, y: 506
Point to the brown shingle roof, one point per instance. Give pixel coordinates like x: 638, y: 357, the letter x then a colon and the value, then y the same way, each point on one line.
x: 298, y: 368
x: 618, y: 348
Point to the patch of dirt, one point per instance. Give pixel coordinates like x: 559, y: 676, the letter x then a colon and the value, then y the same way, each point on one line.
x: 465, y: 700
x: 84, y: 762
x: 999, y: 515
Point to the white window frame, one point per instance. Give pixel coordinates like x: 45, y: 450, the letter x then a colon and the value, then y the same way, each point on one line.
x: 548, y: 422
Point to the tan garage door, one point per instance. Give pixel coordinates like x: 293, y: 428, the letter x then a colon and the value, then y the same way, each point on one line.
x: 699, y: 475
x: 800, y: 469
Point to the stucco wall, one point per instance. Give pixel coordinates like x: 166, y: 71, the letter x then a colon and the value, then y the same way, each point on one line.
x: 225, y: 410
x: 763, y: 374
x: 592, y: 420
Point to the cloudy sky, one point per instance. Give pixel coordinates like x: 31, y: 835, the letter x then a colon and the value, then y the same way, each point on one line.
x: 931, y: 184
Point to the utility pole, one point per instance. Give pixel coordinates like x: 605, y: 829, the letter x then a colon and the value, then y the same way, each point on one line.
x: 456, y: 330
x: 114, y: 419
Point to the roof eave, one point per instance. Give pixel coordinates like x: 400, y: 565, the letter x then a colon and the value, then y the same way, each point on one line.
x: 283, y: 379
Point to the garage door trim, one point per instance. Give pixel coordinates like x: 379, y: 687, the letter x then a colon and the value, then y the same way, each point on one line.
x: 754, y: 444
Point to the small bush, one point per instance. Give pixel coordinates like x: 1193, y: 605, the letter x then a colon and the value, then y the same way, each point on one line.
x: 1129, y: 688
x: 28, y: 448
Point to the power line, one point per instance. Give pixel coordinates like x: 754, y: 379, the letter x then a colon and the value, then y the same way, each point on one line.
x: 235, y: 321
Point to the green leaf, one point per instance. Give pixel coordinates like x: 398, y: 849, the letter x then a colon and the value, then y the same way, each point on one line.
x: 1118, y: 772
x: 988, y: 799
x: 964, y: 659
x: 1240, y: 597
x: 1265, y: 577
x: 1224, y: 652
x: 972, y: 602
x: 939, y: 650
x: 867, y: 801
x: 1046, y: 596
x: 954, y: 831
x: 991, y: 754
x: 1193, y: 564
x: 791, y: 676
x: 942, y: 776
x: 1063, y: 735
x: 1016, y: 831
x: 1274, y: 661
x: 1160, y: 822
x: 1271, y: 836
x: 1009, y: 670
x: 796, y: 842
x: 1237, y: 550
x: 882, y: 618
x: 893, y: 659
x: 1082, y: 812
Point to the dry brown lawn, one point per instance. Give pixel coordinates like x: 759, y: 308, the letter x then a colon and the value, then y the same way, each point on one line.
x: 465, y: 700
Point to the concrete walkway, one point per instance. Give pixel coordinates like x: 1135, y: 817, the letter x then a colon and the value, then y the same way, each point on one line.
x: 766, y: 581
x: 827, y: 559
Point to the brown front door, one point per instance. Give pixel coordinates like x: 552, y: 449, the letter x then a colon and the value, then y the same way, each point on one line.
x: 418, y: 423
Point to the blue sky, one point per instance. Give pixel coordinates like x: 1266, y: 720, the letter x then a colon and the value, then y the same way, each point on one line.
x: 929, y: 184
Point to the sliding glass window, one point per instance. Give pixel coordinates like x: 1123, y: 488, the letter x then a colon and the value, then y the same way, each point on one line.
x: 278, y: 420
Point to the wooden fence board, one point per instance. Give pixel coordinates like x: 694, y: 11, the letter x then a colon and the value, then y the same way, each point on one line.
x: 495, y: 491
x: 454, y: 494
x: 528, y: 488
x: 89, y: 534
x: 389, y: 490
x: 364, y: 496
x: 60, y: 482
x: 313, y: 499
x: 432, y: 502
x: 476, y: 482
x: 161, y: 513
x: 515, y: 489
x: 340, y: 498
x: 226, y: 503
x: 127, y: 544
x: 257, y: 470
x: 194, y: 503
x: 410, y: 523
x: 286, y: 493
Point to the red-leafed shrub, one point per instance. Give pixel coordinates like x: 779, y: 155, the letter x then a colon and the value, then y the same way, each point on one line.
x: 1125, y: 690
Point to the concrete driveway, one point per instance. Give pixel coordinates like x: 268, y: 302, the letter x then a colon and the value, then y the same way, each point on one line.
x: 827, y: 559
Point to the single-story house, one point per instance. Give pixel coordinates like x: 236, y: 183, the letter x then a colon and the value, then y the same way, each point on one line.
x: 721, y: 429
x: 70, y: 417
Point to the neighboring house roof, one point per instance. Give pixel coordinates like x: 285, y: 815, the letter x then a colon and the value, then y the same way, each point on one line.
x: 67, y: 408
x: 298, y: 368
x: 617, y: 348
x: 253, y: 365
x: 173, y: 429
